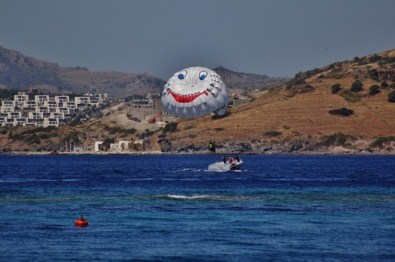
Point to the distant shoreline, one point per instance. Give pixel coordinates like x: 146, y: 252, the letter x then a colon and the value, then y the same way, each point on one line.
x: 102, y: 153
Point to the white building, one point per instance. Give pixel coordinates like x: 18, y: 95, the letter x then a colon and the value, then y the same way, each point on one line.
x: 57, y: 115
x: 84, y: 100
x: 7, y: 106
x: 51, y: 122
x: 20, y: 98
x: 19, y: 121
x: 44, y: 110
x: 62, y: 99
x: 97, y: 145
x: 35, y: 115
x: 12, y: 115
x: 40, y: 99
x: 123, y: 145
x: 3, y: 120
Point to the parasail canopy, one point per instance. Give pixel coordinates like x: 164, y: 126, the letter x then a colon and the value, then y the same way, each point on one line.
x: 193, y: 92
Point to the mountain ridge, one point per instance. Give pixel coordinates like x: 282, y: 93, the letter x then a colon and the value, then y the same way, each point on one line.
x: 19, y: 71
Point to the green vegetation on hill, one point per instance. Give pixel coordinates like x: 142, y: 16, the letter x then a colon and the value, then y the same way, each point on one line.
x: 8, y: 94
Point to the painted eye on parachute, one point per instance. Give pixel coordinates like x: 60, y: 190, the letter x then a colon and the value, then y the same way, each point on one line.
x: 202, y: 75
x: 182, y: 74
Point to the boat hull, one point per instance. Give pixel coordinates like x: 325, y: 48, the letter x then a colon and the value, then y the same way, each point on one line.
x: 224, y: 167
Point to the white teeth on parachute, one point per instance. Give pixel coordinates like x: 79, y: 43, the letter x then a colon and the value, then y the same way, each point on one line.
x: 194, y: 92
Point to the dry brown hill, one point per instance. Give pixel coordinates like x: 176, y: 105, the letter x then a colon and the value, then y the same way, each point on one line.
x: 244, y: 82
x: 343, y: 107
x: 296, y: 117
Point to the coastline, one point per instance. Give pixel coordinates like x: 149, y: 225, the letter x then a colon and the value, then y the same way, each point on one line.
x: 303, y: 153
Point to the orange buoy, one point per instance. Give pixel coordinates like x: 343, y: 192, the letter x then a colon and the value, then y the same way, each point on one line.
x: 81, y: 222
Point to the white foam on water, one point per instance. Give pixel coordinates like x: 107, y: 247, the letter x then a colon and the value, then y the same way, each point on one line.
x: 190, y: 197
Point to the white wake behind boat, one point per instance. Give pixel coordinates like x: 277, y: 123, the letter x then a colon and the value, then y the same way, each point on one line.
x: 228, y: 164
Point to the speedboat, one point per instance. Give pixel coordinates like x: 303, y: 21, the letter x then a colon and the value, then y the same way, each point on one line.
x: 228, y: 164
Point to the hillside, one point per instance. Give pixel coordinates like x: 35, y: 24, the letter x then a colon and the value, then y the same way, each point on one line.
x: 297, y: 118
x: 244, y: 82
x: 115, y: 124
x: 23, y: 72
x: 19, y: 71
x: 345, y: 107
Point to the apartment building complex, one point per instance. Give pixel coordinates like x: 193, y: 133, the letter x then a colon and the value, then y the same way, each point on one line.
x: 45, y: 110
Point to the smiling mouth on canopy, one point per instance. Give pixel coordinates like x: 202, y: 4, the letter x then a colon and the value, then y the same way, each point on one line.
x: 186, y: 98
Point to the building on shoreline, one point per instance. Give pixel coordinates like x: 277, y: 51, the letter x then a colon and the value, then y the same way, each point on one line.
x: 45, y: 110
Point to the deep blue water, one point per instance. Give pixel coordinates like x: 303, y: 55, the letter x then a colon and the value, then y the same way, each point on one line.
x: 170, y: 208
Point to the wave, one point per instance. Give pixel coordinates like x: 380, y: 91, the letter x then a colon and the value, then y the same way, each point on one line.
x: 139, y: 179
x: 73, y: 179
x: 296, y: 179
x: 27, y: 180
x: 33, y: 180
x: 224, y: 171
x: 203, y: 197
x: 190, y: 170
x: 189, y: 197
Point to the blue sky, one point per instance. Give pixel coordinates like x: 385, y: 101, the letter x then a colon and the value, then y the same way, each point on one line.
x: 273, y: 37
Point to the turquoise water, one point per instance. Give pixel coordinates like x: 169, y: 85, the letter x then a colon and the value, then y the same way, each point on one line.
x: 170, y: 208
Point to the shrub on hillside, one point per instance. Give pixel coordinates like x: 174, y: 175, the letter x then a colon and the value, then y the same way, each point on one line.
x: 72, y: 136
x: 32, y: 139
x: 350, y: 96
x: 374, y: 74
x: 391, y: 97
x: 147, y: 133
x: 356, y: 86
x: 380, y: 141
x: 335, y: 73
x: 341, y: 111
x: 374, y: 58
x: 272, y: 133
x: 374, y: 90
x: 336, y: 88
x: 363, y: 62
x: 295, y: 81
x: 3, y: 130
x: 170, y: 128
x: 129, y: 131
x: 8, y: 94
x: 39, y: 129
x: 33, y: 135
x: 337, y: 139
x: 118, y: 130
x: 384, y: 84
x: 300, y: 89
x: 113, y: 130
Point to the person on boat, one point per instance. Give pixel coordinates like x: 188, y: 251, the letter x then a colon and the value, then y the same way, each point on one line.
x: 82, y: 218
x: 237, y: 158
x: 211, y: 147
x: 224, y: 159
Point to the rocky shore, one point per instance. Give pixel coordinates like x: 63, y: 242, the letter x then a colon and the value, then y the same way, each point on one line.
x: 296, y: 146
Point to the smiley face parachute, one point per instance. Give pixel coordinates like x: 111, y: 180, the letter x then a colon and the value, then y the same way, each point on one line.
x: 194, y: 92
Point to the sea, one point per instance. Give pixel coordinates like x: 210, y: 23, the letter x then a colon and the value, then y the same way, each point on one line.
x: 171, y: 208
